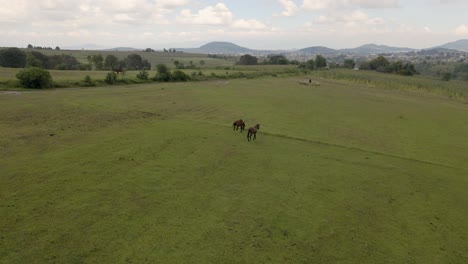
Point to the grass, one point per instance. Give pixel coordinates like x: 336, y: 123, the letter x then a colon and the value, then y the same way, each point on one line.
x: 415, y: 84
x: 153, y: 57
x: 340, y: 173
x: 64, y: 79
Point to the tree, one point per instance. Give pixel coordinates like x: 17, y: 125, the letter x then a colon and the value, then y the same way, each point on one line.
x: 43, y: 60
x: 320, y: 61
x: 30, y: 46
x: 110, y: 61
x: 161, y: 68
x: 33, y: 77
x: 349, y: 63
x: 97, y: 61
x: 248, y: 60
x: 202, y: 62
x: 277, y: 59
x: 13, y: 58
x: 136, y: 62
x: 310, y: 64
x: 57, y: 48
x: 447, y: 76
x: 63, y: 62
x: 379, y: 64
x: 179, y: 75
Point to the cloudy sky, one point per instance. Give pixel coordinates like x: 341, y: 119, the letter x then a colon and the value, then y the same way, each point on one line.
x: 258, y: 24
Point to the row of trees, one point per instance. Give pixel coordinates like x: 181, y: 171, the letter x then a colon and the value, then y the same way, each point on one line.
x: 43, y: 48
x: 110, y: 62
x: 16, y: 58
x: 319, y: 62
x: 381, y: 64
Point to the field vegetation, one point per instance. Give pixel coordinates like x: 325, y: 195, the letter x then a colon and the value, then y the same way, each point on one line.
x: 364, y: 168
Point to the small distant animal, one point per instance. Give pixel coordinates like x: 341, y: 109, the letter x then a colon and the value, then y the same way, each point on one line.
x: 309, y: 82
x: 253, y: 132
x: 238, y: 124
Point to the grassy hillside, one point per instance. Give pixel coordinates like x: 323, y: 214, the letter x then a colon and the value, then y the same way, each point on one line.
x: 153, y: 57
x: 343, y: 172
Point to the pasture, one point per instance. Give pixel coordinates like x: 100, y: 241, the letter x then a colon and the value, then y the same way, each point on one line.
x: 344, y: 172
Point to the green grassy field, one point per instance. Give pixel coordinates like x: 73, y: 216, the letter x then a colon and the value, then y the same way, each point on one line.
x: 344, y: 172
x: 153, y: 57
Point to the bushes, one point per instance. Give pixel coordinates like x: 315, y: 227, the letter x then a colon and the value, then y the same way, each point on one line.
x: 175, y: 76
x: 35, y: 78
x: 143, y: 75
x: 111, y: 78
x: 88, y: 81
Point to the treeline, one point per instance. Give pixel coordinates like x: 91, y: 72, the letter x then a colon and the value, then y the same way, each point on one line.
x: 111, y: 62
x: 381, y: 64
x: 41, y: 48
x: 16, y: 58
x: 319, y: 62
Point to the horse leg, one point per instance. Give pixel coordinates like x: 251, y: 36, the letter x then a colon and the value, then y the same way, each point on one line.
x: 248, y: 136
x: 255, y: 136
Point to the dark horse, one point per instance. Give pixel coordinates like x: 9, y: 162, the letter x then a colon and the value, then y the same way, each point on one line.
x: 237, y: 124
x: 253, y: 131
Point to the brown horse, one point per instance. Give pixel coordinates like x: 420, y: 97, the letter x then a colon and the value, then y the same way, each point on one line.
x: 253, y: 131
x: 237, y: 124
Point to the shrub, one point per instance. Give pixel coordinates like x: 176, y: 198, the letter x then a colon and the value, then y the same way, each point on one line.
x: 447, y: 76
x: 179, y: 76
x: 143, y: 75
x: 33, y: 77
x: 88, y: 81
x: 111, y: 78
x: 161, y: 68
x: 162, y: 77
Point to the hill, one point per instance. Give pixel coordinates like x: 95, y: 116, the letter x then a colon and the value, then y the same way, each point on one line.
x: 375, y: 49
x: 461, y: 44
x: 218, y: 48
x: 317, y: 50
x: 122, y: 49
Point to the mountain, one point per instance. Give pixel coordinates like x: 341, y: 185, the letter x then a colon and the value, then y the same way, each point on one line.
x: 375, y: 49
x: 218, y: 48
x: 88, y: 46
x: 122, y: 49
x: 461, y: 44
x: 317, y: 50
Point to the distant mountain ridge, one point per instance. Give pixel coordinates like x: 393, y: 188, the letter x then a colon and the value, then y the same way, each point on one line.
x: 461, y: 44
x: 218, y: 47
x: 221, y: 47
x: 375, y: 49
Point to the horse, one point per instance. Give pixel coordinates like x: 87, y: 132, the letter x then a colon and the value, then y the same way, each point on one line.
x: 253, y: 131
x: 239, y: 123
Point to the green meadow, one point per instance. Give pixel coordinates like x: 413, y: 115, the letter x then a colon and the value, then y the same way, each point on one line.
x: 361, y: 169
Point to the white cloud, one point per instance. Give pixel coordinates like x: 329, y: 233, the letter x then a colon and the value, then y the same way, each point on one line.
x: 290, y: 8
x: 345, y: 4
x: 355, y: 18
x: 248, y: 24
x: 171, y: 3
x: 461, y: 30
x: 218, y: 14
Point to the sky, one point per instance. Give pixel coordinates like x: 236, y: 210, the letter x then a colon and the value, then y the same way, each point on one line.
x: 256, y: 24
